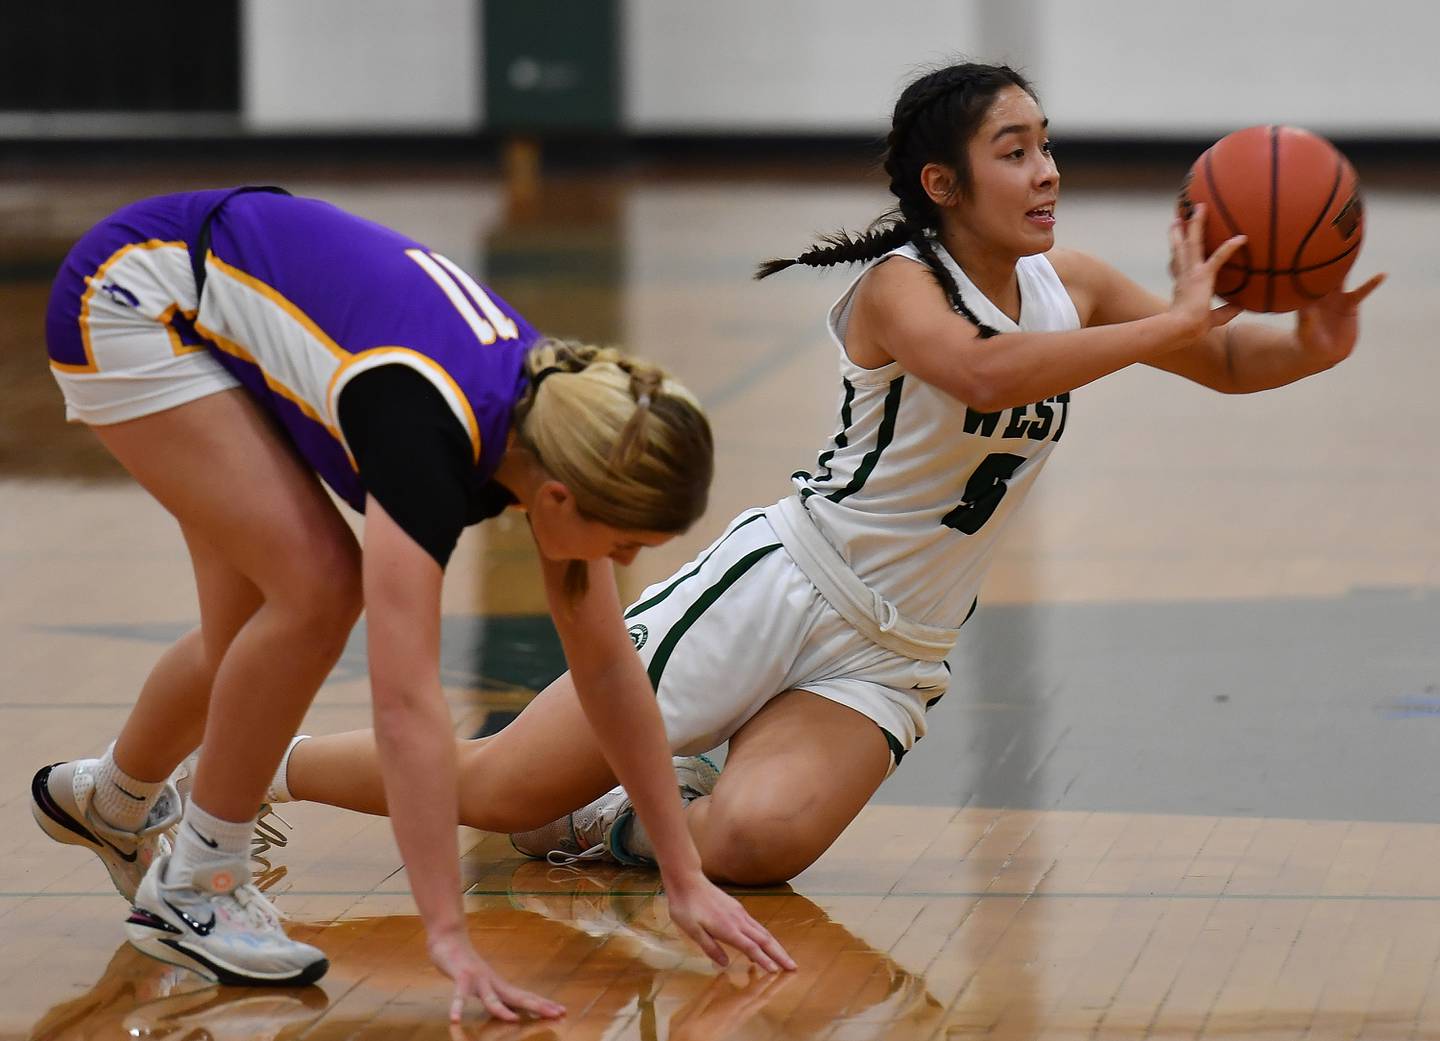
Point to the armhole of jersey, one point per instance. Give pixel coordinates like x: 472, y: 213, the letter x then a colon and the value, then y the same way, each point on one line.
x: 438, y: 377
x: 840, y: 309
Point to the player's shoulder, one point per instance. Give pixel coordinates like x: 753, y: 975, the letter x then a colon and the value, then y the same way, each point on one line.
x: 1086, y: 277
x: 1077, y: 269
x: 896, y: 285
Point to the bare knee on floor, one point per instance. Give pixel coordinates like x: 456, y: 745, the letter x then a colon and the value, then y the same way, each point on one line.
x: 758, y: 843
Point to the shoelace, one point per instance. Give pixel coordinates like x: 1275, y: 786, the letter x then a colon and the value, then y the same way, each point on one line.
x: 266, y: 837
x: 258, y: 911
x: 562, y: 859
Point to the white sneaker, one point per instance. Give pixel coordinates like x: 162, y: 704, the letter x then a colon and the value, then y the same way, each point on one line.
x: 697, y: 775
x: 60, y: 796
x: 591, y: 832
x: 227, y: 933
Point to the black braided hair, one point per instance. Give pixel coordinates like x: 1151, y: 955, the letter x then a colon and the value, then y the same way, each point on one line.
x: 925, y: 245
x: 933, y: 121
x: 842, y: 248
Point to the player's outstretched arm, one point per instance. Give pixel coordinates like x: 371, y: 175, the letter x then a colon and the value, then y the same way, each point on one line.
x: 620, y: 706
x: 898, y: 310
x: 416, y: 743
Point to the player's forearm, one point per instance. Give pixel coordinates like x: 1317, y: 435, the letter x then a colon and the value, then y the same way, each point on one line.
x: 1259, y: 357
x: 620, y: 705
x: 1018, y: 368
x: 417, y: 755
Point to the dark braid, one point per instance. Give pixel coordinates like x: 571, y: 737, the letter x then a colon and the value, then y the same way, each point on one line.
x: 934, y: 120
x: 926, y: 247
x: 842, y: 248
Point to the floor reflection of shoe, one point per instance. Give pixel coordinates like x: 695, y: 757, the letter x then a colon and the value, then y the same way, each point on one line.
x: 593, y: 831
x: 222, y: 1015
x: 60, y: 797
x: 130, y: 979
x: 619, y: 905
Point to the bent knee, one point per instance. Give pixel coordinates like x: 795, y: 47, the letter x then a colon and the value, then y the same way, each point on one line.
x: 759, y: 846
x: 322, y: 590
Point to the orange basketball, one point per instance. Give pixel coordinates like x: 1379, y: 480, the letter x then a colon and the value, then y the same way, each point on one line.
x: 1297, y: 201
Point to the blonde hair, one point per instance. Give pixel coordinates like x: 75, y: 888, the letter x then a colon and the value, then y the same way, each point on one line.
x: 631, y: 444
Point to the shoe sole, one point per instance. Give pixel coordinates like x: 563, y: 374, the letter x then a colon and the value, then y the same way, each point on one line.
x: 157, y: 938
x: 56, y: 822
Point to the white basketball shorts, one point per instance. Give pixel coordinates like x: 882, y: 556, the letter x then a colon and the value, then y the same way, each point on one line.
x: 742, y: 624
x: 120, y: 334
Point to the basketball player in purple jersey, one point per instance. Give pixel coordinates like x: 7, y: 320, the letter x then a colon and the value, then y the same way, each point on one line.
x: 228, y: 347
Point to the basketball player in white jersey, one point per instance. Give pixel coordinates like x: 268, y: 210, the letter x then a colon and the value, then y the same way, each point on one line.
x: 812, y: 635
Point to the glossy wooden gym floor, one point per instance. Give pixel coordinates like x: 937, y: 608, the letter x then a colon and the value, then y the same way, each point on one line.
x: 1184, y: 784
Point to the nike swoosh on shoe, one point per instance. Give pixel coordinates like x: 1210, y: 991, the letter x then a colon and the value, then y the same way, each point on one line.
x: 129, y: 858
x: 201, y: 928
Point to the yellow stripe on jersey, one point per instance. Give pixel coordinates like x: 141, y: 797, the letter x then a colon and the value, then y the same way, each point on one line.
x: 232, y: 348
x: 426, y: 366
x: 93, y: 282
x: 176, y: 344
x: 274, y: 295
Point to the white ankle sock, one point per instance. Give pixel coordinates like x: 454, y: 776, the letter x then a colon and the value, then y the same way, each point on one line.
x: 204, y: 842
x: 279, y: 790
x: 122, y: 801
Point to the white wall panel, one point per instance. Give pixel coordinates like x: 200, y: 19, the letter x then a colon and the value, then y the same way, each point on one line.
x: 797, y: 65
x: 1104, y: 67
x: 1165, y: 68
x: 361, y: 65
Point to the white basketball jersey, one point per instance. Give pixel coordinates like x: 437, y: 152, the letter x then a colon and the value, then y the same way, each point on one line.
x: 915, y: 488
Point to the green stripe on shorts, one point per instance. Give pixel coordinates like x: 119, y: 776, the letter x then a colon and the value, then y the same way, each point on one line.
x: 671, y: 587
x: 897, y: 750
x: 690, y: 617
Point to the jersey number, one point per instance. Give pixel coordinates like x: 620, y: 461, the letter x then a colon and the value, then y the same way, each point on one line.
x: 449, y: 276
x: 983, y: 492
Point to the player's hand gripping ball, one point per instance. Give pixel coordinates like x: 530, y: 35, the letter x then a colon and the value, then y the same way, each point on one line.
x: 1295, y: 198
